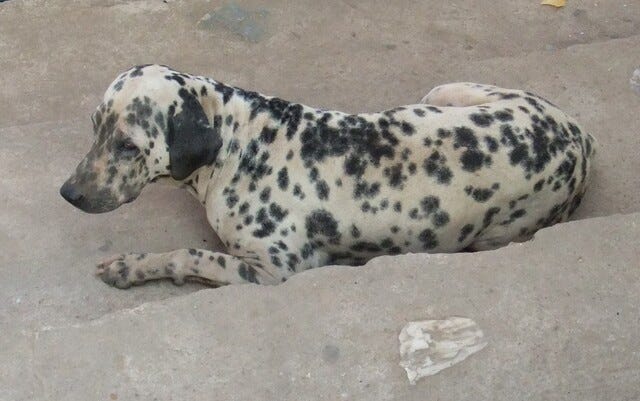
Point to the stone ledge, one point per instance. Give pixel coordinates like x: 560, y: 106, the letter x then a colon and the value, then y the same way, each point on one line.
x: 560, y: 314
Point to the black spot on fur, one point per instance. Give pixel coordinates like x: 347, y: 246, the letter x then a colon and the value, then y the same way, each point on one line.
x: 429, y: 204
x: 538, y: 185
x: 322, y: 189
x: 407, y: 128
x: 472, y: 160
x: 482, y: 194
x: 355, y: 233
x: 268, y: 135
x: 444, y: 133
x: 321, y: 222
x: 177, y: 78
x: 283, y: 179
x: 465, y: 231
x: 292, y: 116
x: 306, y: 251
x: 428, y: 238
x: 248, y: 273
x: 313, y: 174
x: 232, y: 200
x: 435, y: 166
x: 297, y: 191
x: 503, y: 115
x: 277, y: 212
x: 267, y: 226
x: 361, y: 138
x: 518, y: 213
x: 488, y: 216
x: 394, y: 173
x: 465, y: 137
x: 492, y: 144
x: 137, y: 71
x: 440, y: 219
x: 292, y: 261
x: 506, y: 96
x: 536, y: 105
x: 276, y: 261
x: 265, y: 195
x: 365, y: 189
x: 481, y: 119
x: 354, y: 165
x: 118, y: 86
x: 227, y: 91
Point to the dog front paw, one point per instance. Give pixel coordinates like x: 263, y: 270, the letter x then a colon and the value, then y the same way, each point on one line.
x: 121, y: 271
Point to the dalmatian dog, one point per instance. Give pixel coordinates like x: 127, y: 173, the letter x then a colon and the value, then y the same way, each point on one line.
x: 289, y: 187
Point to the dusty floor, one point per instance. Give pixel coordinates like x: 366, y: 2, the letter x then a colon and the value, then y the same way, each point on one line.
x: 562, y: 315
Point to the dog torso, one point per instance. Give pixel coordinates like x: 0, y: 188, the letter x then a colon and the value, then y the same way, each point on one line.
x: 304, y: 187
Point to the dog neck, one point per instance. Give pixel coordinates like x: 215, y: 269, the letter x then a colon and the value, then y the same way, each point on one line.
x: 246, y: 121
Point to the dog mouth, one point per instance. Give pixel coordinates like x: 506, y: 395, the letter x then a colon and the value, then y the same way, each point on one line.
x: 93, y: 203
x: 160, y: 177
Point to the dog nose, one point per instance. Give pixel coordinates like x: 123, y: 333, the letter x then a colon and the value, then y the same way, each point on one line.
x: 71, y: 194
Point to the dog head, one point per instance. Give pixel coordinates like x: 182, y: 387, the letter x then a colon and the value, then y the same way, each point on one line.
x: 152, y: 123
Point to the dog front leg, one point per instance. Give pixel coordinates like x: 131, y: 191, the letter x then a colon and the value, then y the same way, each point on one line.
x: 211, y: 268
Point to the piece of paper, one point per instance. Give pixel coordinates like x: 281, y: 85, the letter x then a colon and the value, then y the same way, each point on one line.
x: 555, y: 3
x: 635, y: 81
x: 429, y: 346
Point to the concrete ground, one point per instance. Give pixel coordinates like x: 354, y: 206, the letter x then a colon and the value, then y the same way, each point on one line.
x: 560, y: 312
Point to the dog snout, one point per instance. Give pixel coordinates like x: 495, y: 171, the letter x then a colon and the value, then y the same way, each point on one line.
x: 71, y: 194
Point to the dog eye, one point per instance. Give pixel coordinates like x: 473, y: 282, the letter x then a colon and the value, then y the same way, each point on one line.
x: 127, y: 147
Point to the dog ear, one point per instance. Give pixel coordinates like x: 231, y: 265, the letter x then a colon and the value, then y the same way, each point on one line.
x: 192, y: 141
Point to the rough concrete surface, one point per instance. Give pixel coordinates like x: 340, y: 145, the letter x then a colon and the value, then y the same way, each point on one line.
x: 560, y: 313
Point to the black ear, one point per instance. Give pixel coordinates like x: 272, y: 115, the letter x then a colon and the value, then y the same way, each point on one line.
x: 192, y: 141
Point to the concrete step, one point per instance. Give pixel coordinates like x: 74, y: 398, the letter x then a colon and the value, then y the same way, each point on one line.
x: 560, y: 314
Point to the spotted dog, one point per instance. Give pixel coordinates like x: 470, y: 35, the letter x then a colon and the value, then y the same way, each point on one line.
x: 289, y: 187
